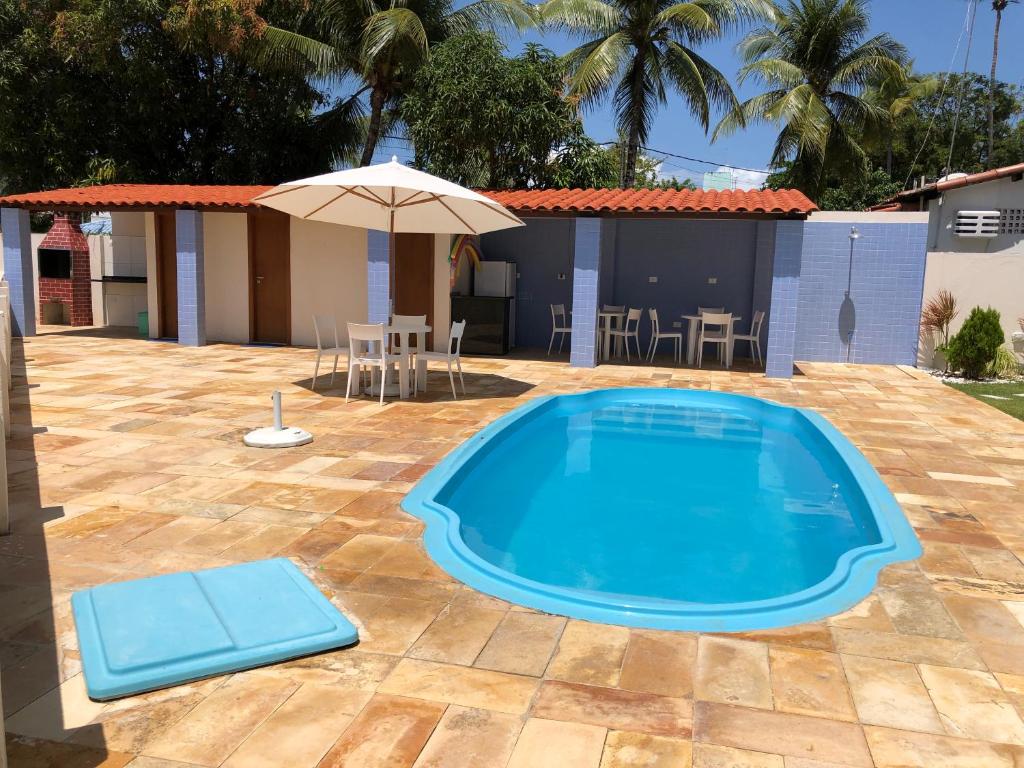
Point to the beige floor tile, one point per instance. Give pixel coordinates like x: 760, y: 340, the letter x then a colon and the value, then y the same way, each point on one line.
x: 623, y: 749
x: 733, y: 672
x: 551, y: 744
x: 57, y: 714
x: 987, y: 621
x: 457, y: 635
x: 660, y: 662
x: 267, y: 542
x: 470, y: 738
x: 971, y: 704
x: 808, y: 682
x: 390, y: 731
x: 589, y: 653
x: 613, y: 708
x: 523, y: 643
x: 215, y: 540
x: 890, y: 693
x: 909, y: 648
x: 360, y: 552
x: 780, y: 733
x: 713, y: 756
x: 215, y: 728
x: 466, y: 686
x: 391, y: 624
x: 302, y: 729
x: 907, y: 749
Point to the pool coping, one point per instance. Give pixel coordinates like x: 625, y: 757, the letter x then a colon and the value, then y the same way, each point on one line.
x: 852, y: 579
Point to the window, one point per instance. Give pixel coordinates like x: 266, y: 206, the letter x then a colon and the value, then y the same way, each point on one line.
x: 1011, y: 221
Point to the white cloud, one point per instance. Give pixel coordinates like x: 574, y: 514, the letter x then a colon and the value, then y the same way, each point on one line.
x: 745, y: 179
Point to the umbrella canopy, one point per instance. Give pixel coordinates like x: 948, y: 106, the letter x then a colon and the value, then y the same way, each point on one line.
x: 390, y: 197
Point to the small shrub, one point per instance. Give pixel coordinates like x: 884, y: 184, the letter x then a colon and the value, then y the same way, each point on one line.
x: 1005, y: 364
x: 973, y: 349
x: 938, y: 314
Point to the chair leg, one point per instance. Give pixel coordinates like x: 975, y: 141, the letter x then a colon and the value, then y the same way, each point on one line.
x: 561, y: 341
x: 348, y: 383
x: 651, y: 347
x: 334, y: 370
x: 316, y: 370
x: 627, y: 349
x: 383, y: 381
x: 551, y: 343
x: 451, y: 379
x: 462, y: 381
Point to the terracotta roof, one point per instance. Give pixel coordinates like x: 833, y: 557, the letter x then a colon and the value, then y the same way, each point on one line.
x: 936, y: 187
x: 107, y: 196
x: 787, y: 201
x: 113, y: 196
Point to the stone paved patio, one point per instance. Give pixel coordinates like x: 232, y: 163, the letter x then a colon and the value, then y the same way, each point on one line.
x: 126, y: 461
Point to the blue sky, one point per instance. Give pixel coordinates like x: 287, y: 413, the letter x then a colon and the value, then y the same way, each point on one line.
x: 928, y: 28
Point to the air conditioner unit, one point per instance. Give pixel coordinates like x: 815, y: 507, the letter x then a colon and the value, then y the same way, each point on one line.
x: 976, y: 224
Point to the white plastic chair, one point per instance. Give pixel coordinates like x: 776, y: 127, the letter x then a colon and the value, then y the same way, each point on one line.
x: 605, y: 323
x: 322, y: 324
x: 449, y: 357
x: 414, y: 347
x: 367, y: 349
x: 629, y: 330
x: 657, y: 336
x: 558, y: 327
x: 754, y: 337
x: 714, y: 329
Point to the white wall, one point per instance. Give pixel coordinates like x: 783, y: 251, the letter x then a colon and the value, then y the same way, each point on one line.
x: 442, y: 321
x: 152, y: 292
x: 226, y: 255
x: 122, y: 253
x: 979, y: 272
x: 328, y: 276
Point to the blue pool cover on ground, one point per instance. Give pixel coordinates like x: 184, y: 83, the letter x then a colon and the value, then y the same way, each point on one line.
x: 151, y: 633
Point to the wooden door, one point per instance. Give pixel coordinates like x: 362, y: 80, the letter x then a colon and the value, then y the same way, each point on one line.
x: 270, y: 277
x: 414, y: 277
x: 167, y: 274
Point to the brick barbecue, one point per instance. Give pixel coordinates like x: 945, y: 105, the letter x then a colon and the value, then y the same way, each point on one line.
x: 64, y: 274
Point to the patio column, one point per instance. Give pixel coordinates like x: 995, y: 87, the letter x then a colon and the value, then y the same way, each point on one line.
x: 789, y: 240
x: 378, y: 276
x: 586, y: 274
x: 188, y: 226
x: 18, y: 268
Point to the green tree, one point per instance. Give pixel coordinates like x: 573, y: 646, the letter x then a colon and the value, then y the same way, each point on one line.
x: 815, y: 60
x: 974, y: 347
x: 583, y: 163
x: 482, y: 119
x: 151, y: 91
x: 380, y: 42
x: 956, y: 116
x: 998, y: 6
x: 844, y: 194
x: 898, y: 96
x: 636, y: 50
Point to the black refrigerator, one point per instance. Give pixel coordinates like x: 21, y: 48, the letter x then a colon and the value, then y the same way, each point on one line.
x: 488, y: 323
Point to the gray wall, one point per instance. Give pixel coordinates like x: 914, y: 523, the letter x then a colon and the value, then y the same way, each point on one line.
x: 542, y: 250
x: 684, y: 254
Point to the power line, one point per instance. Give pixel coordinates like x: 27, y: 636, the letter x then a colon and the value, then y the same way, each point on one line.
x: 963, y: 86
x: 692, y: 159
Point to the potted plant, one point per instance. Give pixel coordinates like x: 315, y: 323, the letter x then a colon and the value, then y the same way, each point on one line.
x: 938, y: 315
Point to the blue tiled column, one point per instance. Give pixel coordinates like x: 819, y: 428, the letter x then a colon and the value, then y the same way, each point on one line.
x: 191, y: 278
x: 378, y: 276
x: 789, y: 240
x: 18, y: 268
x: 586, y: 280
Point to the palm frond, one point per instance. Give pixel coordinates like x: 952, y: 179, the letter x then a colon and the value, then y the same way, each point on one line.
x: 281, y: 48
x: 773, y: 72
x: 700, y: 84
x: 591, y: 16
x: 595, y: 65
x: 391, y: 28
x: 494, y: 14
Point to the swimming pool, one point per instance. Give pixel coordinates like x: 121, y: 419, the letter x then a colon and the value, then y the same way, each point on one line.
x: 664, y: 508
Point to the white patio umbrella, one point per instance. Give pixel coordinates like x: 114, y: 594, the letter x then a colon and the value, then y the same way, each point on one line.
x: 390, y: 197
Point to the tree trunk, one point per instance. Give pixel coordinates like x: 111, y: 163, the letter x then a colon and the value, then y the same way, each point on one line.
x: 632, y: 152
x: 377, y: 98
x: 992, y: 89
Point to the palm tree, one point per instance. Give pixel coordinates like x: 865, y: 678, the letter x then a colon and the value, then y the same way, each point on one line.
x: 636, y: 48
x: 381, y: 42
x: 898, y: 96
x: 998, y: 6
x: 815, y: 63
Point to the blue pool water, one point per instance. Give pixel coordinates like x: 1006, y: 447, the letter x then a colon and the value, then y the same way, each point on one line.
x: 667, y: 508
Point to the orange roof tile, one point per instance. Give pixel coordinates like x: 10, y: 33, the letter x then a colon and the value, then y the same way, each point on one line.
x: 108, y: 196
x: 786, y: 201
x: 113, y: 196
x: 933, y: 189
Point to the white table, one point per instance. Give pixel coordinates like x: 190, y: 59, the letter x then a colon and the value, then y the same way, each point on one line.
x: 402, y: 331
x: 691, y: 339
x: 611, y: 321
